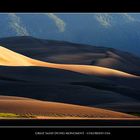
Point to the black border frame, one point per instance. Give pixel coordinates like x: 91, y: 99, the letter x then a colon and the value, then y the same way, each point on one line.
x: 70, y: 6
x: 29, y: 127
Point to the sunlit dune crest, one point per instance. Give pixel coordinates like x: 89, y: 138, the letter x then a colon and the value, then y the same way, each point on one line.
x: 10, y: 58
x: 22, y: 106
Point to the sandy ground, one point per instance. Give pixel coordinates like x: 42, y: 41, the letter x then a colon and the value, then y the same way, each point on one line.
x: 51, y: 110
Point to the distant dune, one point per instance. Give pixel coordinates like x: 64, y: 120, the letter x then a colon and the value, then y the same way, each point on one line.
x: 22, y: 106
x: 63, y: 52
x: 10, y: 58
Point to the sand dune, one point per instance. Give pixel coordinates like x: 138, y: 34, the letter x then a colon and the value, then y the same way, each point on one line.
x: 10, y: 58
x: 131, y: 107
x: 78, y: 58
x: 119, y: 61
x: 63, y: 86
x: 19, y: 105
x: 71, y: 53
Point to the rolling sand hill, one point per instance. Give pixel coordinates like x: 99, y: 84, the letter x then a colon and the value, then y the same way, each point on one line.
x: 71, y: 53
x: 61, y: 86
x: 22, y: 106
x: 10, y: 58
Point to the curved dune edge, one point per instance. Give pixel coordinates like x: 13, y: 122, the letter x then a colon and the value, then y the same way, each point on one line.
x: 10, y: 58
x: 53, y: 110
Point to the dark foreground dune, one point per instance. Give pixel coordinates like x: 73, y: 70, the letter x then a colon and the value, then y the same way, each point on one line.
x: 44, y: 109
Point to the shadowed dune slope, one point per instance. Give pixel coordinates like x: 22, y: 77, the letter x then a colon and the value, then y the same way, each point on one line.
x: 129, y: 107
x: 62, y: 86
x: 10, y: 58
x: 19, y: 105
